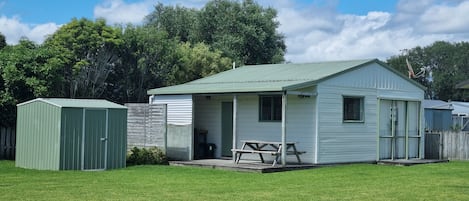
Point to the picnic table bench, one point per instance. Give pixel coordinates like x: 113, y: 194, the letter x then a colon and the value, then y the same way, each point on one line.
x: 266, y: 147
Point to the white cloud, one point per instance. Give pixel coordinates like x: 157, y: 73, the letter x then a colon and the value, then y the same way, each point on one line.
x: 446, y: 18
x: 315, y: 35
x: 313, y: 32
x: 117, y: 11
x: 40, y: 32
x: 14, y: 30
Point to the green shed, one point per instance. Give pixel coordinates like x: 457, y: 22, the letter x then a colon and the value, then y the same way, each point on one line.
x: 71, y: 134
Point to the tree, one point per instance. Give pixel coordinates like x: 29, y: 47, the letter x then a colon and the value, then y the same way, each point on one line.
x: 23, y: 77
x: 448, y: 64
x: 91, y: 80
x: 197, y: 62
x: 243, y: 31
x: 87, y: 54
x: 148, y: 57
x: 3, y: 42
x: 151, y: 58
x: 178, y: 21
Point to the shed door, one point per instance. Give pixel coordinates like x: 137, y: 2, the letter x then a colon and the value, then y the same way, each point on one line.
x: 227, y: 128
x: 94, y: 139
x: 399, y: 129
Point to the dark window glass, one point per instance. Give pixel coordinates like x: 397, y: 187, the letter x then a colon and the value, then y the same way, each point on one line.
x: 353, y: 109
x: 270, y: 108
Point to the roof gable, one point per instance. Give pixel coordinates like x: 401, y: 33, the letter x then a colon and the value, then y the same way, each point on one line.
x: 266, y: 78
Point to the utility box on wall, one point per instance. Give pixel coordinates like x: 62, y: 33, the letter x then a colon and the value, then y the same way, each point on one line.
x: 71, y: 134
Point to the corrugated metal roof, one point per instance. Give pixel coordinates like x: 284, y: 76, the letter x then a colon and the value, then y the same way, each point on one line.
x: 436, y: 104
x: 78, y: 103
x: 266, y: 78
x: 460, y: 107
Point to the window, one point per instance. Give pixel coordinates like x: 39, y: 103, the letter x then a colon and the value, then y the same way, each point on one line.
x: 270, y: 108
x: 353, y: 109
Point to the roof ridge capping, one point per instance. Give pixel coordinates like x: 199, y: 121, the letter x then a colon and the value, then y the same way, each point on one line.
x: 317, y: 62
x: 353, y: 63
x: 76, y: 102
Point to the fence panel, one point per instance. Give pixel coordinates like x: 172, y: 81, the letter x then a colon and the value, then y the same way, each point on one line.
x: 455, y: 145
x: 146, y: 125
x: 7, y: 143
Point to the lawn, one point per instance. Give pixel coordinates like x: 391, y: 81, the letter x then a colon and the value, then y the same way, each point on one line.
x: 443, y: 181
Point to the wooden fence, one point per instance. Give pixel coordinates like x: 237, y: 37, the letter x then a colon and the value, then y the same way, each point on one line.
x: 146, y: 125
x: 447, y: 145
x: 7, y: 143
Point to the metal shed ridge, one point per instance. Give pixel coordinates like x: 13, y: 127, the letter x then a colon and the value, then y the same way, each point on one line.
x: 267, y: 78
x: 77, y: 103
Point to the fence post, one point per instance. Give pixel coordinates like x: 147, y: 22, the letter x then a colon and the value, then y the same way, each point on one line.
x: 440, y: 147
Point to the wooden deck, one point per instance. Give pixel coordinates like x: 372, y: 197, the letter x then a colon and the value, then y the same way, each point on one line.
x: 409, y: 162
x: 257, y: 166
x: 242, y: 166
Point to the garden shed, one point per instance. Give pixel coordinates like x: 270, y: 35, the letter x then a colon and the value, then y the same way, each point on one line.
x: 71, y: 134
x: 335, y: 112
x: 437, y: 115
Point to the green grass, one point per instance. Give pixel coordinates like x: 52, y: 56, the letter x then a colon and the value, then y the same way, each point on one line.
x: 443, y: 181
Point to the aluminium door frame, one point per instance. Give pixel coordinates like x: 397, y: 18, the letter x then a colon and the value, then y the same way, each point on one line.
x: 420, y: 113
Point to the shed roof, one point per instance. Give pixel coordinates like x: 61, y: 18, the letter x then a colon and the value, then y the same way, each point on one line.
x: 268, y: 78
x: 436, y: 104
x: 77, y: 103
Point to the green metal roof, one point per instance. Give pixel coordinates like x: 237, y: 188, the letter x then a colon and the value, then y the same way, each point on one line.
x: 77, y: 103
x: 265, y: 78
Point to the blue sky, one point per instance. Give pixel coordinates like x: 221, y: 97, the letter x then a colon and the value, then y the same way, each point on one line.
x: 38, y: 12
x: 61, y: 11
x: 314, y: 29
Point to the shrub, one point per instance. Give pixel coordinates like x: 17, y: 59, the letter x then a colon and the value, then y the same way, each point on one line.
x: 151, y: 156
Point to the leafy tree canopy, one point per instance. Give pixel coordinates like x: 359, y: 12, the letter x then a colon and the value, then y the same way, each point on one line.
x: 23, y: 76
x: 87, y: 54
x: 243, y: 31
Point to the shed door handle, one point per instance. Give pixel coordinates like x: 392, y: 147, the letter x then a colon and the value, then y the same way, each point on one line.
x: 103, y: 139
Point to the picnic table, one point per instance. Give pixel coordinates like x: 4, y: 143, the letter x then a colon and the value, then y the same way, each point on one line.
x: 266, y: 147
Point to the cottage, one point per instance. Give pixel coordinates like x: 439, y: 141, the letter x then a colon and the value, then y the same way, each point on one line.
x: 336, y: 112
x: 71, y: 134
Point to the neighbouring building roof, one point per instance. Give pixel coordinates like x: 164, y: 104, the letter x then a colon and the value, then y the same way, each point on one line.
x: 77, y: 103
x: 460, y: 108
x: 269, y: 78
x: 457, y: 107
x: 436, y: 104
